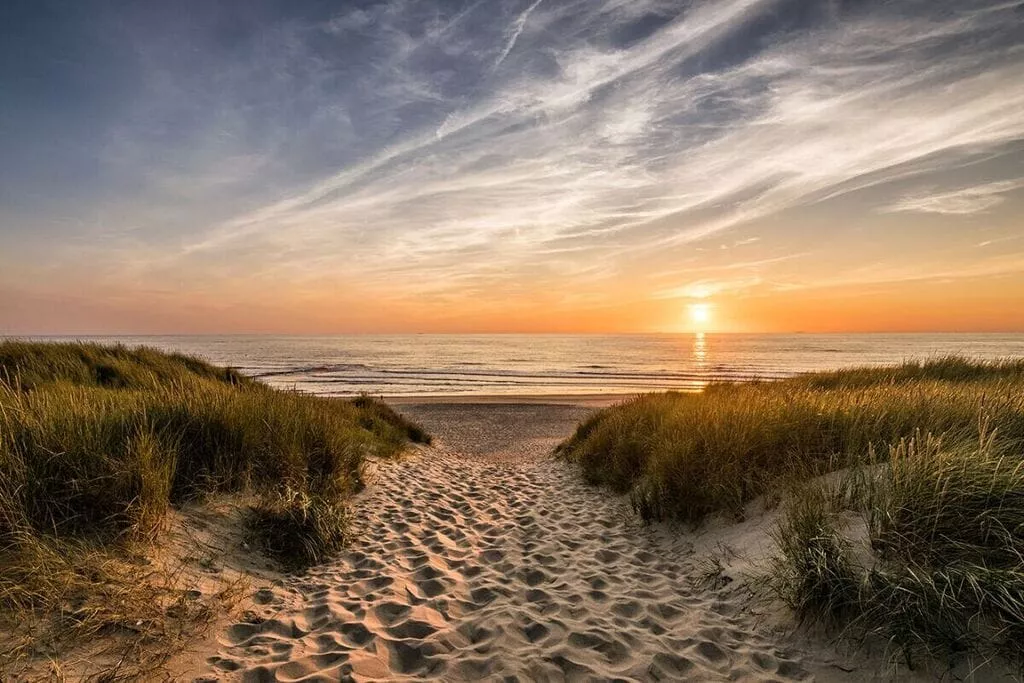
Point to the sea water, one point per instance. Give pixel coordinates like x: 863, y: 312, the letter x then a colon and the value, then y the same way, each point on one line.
x: 511, y: 364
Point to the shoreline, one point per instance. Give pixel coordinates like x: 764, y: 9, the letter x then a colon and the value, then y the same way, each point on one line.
x: 583, y: 400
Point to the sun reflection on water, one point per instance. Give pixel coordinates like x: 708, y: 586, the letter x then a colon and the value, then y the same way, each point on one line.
x: 700, y: 360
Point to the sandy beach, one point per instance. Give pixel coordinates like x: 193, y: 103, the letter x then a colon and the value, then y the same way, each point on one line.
x: 481, y: 558
x: 532, y: 340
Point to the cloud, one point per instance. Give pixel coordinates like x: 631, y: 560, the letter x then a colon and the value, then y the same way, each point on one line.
x: 963, y: 201
x: 389, y: 150
x: 617, y: 140
x: 1001, y: 265
x: 514, y: 32
x: 705, y: 289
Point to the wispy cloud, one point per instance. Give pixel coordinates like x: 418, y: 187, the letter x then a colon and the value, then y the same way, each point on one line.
x: 962, y: 201
x: 1010, y: 264
x: 385, y: 146
x: 704, y: 289
x: 624, y: 149
x: 514, y: 32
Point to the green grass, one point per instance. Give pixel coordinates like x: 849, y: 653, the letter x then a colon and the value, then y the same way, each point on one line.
x: 27, y: 365
x: 96, y: 444
x: 945, y: 369
x: 941, y: 570
x: 927, y: 459
x: 684, y: 456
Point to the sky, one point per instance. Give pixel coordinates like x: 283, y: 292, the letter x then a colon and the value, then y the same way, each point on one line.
x: 262, y: 166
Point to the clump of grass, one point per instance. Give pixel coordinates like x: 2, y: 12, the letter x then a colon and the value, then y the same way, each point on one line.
x: 940, y: 506
x: 816, y: 574
x: 684, y: 456
x: 943, y: 575
x: 96, y: 461
x: 97, y: 442
x: 298, y: 529
x: 376, y: 412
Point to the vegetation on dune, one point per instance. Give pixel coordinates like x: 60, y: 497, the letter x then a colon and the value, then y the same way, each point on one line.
x: 27, y: 365
x: 947, y: 369
x: 298, y: 528
x: 375, y: 414
x: 97, y: 442
x: 684, y: 456
x: 938, y: 567
x: 919, y: 538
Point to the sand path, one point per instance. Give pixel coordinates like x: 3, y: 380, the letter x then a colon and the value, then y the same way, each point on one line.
x: 481, y: 558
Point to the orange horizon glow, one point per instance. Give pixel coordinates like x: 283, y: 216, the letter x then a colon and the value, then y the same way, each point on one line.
x: 944, y: 306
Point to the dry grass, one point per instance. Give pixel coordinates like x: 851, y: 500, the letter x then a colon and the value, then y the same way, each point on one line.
x: 97, y: 442
x: 110, y: 616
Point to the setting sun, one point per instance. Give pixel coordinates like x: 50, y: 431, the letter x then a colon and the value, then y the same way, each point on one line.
x: 700, y: 315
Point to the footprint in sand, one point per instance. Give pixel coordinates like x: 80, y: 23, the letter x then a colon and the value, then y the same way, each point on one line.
x: 485, y: 559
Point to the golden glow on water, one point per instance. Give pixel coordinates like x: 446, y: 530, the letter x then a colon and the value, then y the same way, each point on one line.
x: 700, y: 349
x: 700, y: 357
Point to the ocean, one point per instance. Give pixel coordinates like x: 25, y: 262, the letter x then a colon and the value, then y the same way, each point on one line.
x: 474, y: 365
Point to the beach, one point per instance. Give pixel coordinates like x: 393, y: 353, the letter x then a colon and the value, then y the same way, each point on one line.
x: 532, y: 340
x: 482, y: 558
x: 202, y: 526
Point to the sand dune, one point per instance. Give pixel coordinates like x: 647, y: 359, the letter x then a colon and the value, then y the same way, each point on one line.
x: 480, y: 558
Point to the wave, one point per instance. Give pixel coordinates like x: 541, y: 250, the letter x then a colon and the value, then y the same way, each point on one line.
x: 338, y: 367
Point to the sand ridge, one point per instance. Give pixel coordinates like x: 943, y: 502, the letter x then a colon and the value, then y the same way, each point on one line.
x: 496, y: 562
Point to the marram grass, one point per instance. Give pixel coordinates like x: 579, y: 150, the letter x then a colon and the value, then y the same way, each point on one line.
x: 96, y: 442
x: 941, y: 570
x: 684, y: 456
x: 930, y: 459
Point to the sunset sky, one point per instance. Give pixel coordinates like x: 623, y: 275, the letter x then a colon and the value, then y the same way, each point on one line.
x: 507, y: 165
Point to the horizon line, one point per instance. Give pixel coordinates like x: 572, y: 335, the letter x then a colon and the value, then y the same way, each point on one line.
x: 65, y: 335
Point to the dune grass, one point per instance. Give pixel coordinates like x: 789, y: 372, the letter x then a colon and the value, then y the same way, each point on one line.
x: 684, y: 456
x: 27, y: 365
x: 298, y: 528
x: 917, y: 535
x: 96, y: 443
x: 938, y: 565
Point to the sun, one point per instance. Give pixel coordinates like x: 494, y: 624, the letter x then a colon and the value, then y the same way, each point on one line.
x: 700, y: 315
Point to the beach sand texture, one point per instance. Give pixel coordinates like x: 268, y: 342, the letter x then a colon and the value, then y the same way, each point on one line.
x: 481, y: 558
